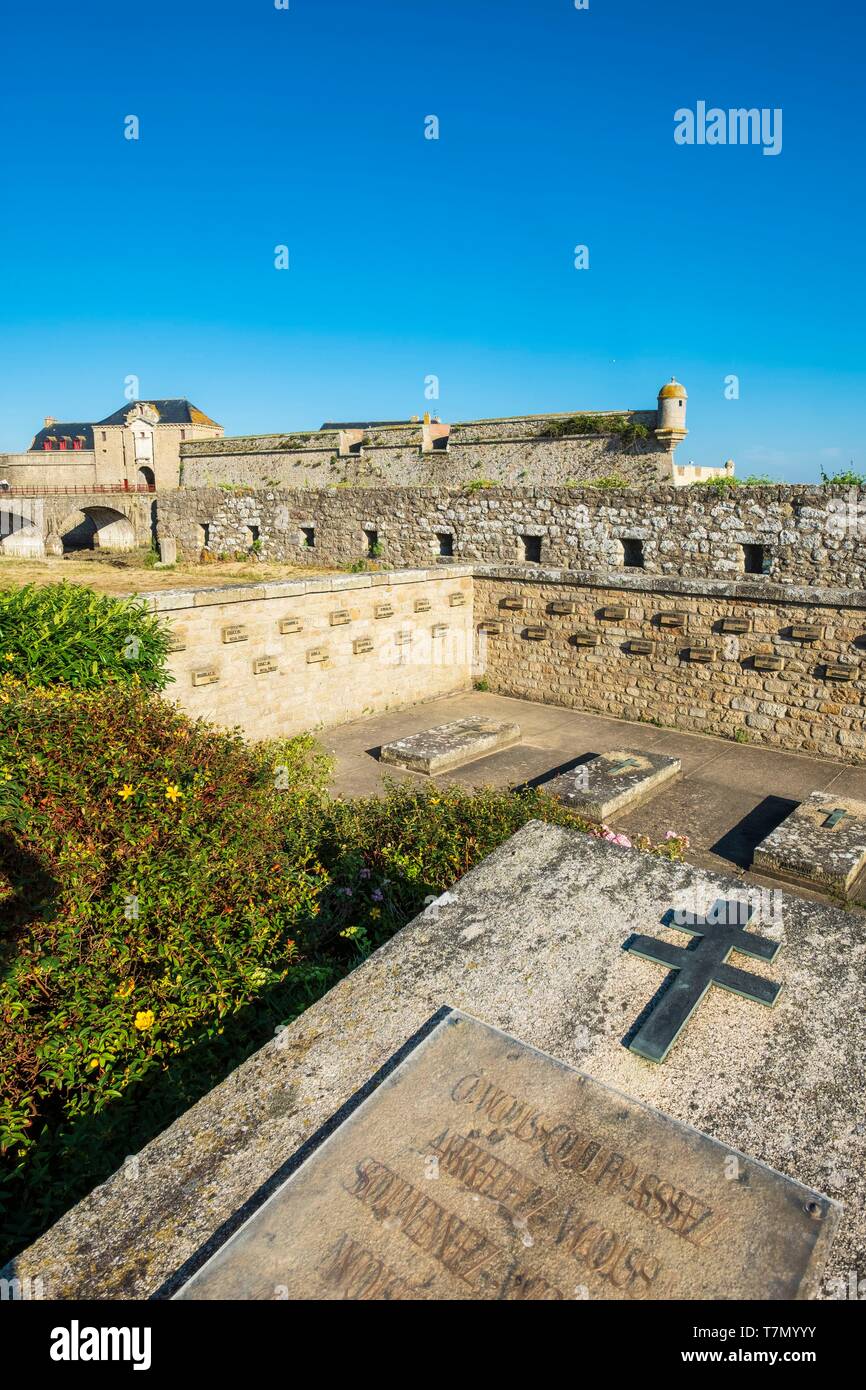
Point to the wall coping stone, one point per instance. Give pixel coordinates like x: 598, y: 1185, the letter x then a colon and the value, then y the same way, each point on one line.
x: 167, y: 600
x: 759, y: 590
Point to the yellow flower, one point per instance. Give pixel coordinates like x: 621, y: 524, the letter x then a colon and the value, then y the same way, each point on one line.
x: 94, y: 1062
x: 172, y: 791
x: 349, y: 932
x: 144, y: 1019
x: 125, y: 990
x: 375, y: 912
x: 125, y: 791
x: 10, y: 656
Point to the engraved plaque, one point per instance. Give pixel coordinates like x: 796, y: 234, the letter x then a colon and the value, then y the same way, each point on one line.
x: 362, y: 645
x: 513, y: 602
x: 702, y: 655
x: 614, y: 613
x: 562, y: 605
x: 585, y: 639
x: 288, y: 625
x: 768, y: 663
x: 735, y: 625
x: 439, y: 629
x: 264, y: 665
x: 838, y: 672
x: 806, y: 632
x: 177, y: 639
x: 317, y: 654
x: 535, y: 634
x: 339, y: 617
x: 403, y: 638
x: 422, y: 605
x: 480, y: 1169
x: 672, y: 619
x: 457, y: 600
x: 491, y: 627
x: 235, y: 632
x: 384, y: 610
x: 640, y: 646
x: 207, y: 676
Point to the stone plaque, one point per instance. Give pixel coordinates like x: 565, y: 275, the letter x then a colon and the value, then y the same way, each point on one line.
x: 562, y: 605
x: 535, y: 634
x: 513, y: 602
x: 479, y: 1168
x: 235, y: 632
x: 614, y: 782
x: 339, y: 617
x: 821, y: 844
x: 806, y: 632
x: 640, y: 646
x: 384, y: 610
x: 839, y: 672
x: 403, y: 638
x: 438, y: 629
x: 701, y: 655
x: 177, y: 639
x: 264, y: 665
x: 585, y: 639
x: 289, y: 625
x: 362, y: 645
x: 491, y: 627
x: 768, y: 663
x: 613, y: 613
x: 735, y: 625
x: 672, y: 619
x: 317, y: 654
x: 208, y: 676
x: 450, y: 745
x: 457, y: 600
x: 422, y: 605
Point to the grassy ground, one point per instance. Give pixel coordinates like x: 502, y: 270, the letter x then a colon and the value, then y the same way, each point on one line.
x: 130, y: 573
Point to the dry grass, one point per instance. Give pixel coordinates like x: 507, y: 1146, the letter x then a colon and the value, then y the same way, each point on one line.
x: 128, y: 574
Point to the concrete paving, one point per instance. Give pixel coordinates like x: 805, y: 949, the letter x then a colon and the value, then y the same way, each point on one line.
x: 731, y: 795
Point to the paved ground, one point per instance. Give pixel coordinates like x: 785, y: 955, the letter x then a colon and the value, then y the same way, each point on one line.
x: 731, y: 795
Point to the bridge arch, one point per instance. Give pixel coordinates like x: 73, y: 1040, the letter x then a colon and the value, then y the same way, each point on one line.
x: 97, y: 528
x: 20, y: 529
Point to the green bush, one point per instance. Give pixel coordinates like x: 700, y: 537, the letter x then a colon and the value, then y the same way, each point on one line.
x: 172, y: 896
x: 629, y: 432
x: 68, y: 633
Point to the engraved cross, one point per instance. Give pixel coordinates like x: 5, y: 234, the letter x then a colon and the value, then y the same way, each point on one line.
x: 719, y: 932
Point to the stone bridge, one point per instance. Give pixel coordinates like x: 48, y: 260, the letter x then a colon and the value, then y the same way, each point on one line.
x: 36, y: 523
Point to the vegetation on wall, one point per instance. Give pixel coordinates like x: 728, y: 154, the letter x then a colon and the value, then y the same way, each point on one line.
x: 630, y: 433
x: 846, y: 477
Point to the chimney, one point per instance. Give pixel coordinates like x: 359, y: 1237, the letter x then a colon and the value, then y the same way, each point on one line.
x: 50, y: 422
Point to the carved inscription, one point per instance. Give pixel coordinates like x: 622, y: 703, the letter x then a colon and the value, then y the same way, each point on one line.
x: 289, y: 625
x: 384, y: 610
x: 422, y: 605
x: 235, y: 632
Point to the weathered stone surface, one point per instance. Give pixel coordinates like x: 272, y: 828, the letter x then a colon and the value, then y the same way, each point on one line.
x: 530, y: 942
x: 816, y: 846
x: 450, y: 745
x: 483, y: 1169
x: 614, y: 782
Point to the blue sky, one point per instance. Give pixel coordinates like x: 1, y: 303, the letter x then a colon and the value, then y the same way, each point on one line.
x: 412, y: 257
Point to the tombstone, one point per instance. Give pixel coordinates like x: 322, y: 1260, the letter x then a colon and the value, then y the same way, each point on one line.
x: 167, y: 550
x: 821, y: 844
x: 470, y: 1114
x: 450, y: 745
x: 614, y: 782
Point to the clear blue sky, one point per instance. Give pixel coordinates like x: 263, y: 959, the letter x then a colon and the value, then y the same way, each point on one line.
x: 412, y: 257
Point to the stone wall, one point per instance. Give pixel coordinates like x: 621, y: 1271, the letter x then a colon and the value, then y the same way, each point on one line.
x: 278, y: 659
x: 814, y: 536
x: 507, y: 452
x: 671, y: 652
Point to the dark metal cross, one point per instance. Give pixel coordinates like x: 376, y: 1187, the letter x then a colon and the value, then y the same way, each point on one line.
x: 622, y: 765
x: 721, y: 931
x: 836, y: 817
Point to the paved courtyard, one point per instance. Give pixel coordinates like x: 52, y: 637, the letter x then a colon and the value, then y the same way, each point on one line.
x: 730, y: 796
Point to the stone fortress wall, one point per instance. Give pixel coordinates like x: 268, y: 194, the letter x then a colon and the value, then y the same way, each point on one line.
x: 508, y: 452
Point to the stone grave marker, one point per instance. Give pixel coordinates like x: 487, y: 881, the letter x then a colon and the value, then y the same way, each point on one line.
x: 614, y: 782
x: 450, y: 745
x: 821, y: 844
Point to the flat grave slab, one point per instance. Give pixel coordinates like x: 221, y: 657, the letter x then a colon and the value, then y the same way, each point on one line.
x: 614, y: 782
x: 450, y: 745
x: 483, y: 1169
x: 821, y: 844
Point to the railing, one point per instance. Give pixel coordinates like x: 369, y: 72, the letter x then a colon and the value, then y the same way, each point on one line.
x: 82, y: 488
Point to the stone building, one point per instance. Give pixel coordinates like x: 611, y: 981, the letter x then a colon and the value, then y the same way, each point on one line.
x: 136, y: 446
